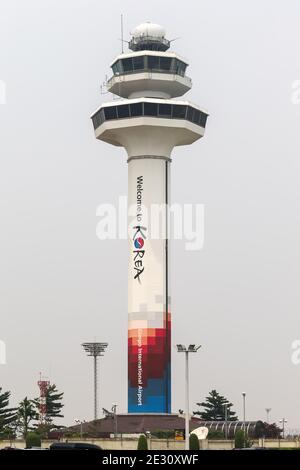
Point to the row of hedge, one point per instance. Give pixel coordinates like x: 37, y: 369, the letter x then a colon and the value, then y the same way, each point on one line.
x: 240, y: 441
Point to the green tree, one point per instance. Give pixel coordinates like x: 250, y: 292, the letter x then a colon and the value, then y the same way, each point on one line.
x: 54, y: 406
x: 33, y: 439
x: 54, y: 403
x: 194, y: 442
x: 214, y: 408
x: 142, y: 443
x: 241, y: 440
x: 272, y: 431
x: 26, y: 414
x: 8, y: 416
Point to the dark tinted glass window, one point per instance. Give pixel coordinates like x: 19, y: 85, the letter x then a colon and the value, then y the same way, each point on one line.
x: 150, y: 109
x: 98, y: 119
x: 123, y: 111
x: 136, y: 109
x: 120, y: 66
x: 153, y: 62
x: 203, y: 118
x: 150, y: 62
x: 127, y: 65
x: 190, y: 113
x: 117, y: 68
x: 165, y: 63
x: 173, y: 65
x: 110, y: 112
x: 101, y: 116
x: 179, y: 111
x: 95, y: 121
x: 138, y: 63
x: 164, y: 110
x: 180, y: 67
x: 196, y: 116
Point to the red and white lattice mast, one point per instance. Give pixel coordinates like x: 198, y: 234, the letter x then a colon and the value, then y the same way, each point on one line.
x: 43, y: 386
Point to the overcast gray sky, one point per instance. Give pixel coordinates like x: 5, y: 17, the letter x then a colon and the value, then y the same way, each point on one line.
x: 60, y: 285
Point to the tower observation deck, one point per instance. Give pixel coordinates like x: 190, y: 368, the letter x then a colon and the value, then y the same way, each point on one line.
x: 148, y: 122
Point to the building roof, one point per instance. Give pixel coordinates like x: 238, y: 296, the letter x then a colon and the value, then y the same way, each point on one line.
x: 135, y: 423
x: 138, y: 423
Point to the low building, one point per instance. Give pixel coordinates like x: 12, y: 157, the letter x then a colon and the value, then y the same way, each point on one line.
x: 131, y: 424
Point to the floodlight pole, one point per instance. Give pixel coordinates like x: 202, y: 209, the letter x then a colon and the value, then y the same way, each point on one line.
x: 244, y: 417
x: 226, y: 420
x: 283, y: 421
x: 187, y: 402
x: 190, y: 349
x: 95, y: 350
x: 114, y: 410
x: 79, y: 421
x: 95, y: 389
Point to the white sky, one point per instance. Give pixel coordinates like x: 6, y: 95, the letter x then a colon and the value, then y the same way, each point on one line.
x: 61, y: 286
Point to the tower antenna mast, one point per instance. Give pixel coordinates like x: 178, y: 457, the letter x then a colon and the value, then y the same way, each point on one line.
x: 122, y: 35
x: 42, y: 407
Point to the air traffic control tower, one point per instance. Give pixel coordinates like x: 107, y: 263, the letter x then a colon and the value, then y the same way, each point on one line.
x: 149, y: 122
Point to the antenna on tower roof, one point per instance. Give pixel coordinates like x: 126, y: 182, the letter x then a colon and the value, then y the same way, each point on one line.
x: 122, y: 35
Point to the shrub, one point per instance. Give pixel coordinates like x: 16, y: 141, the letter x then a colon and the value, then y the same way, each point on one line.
x: 142, y: 443
x: 194, y: 442
x: 240, y: 440
x: 215, y: 435
x: 33, y: 440
x: 161, y: 434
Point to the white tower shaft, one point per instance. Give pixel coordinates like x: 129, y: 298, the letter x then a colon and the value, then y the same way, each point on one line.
x: 149, y: 334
